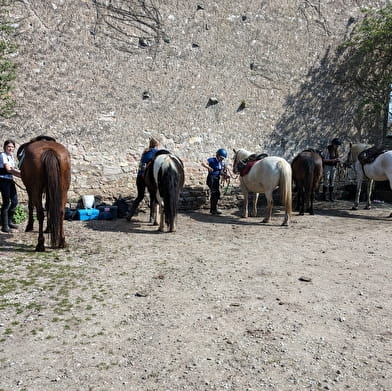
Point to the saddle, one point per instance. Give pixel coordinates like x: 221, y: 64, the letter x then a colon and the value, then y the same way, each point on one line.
x: 20, y: 154
x: 245, y: 165
x: 370, y: 155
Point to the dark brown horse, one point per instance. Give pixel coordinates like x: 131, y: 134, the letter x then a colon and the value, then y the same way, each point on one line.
x: 307, y: 169
x: 45, y: 167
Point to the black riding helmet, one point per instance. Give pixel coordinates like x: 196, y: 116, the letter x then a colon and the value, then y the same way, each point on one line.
x: 336, y: 141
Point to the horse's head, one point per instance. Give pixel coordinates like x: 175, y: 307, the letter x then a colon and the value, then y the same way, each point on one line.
x: 239, y: 154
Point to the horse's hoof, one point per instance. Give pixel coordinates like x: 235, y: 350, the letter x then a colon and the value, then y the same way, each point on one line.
x: 390, y: 215
x: 29, y: 228
x: 354, y: 208
x: 40, y: 248
x: 367, y: 207
x: 301, y: 213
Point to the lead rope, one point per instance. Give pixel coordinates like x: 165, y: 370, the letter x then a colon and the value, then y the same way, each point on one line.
x: 227, y: 179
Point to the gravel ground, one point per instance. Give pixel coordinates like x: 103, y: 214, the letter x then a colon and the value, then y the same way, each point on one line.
x: 222, y: 304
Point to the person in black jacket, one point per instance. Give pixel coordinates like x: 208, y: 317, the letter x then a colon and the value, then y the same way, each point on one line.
x: 331, y: 159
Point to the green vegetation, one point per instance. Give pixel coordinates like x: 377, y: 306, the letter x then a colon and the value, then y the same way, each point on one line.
x: 7, y: 67
x: 20, y: 215
x: 371, y: 49
x: 46, y: 284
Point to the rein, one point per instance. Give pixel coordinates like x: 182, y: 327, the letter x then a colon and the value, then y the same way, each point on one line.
x: 227, y: 179
x: 18, y: 185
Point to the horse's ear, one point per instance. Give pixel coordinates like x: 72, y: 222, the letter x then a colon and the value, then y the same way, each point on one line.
x: 234, y: 150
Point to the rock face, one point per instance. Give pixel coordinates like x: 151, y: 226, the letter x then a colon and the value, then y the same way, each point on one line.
x: 263, y: 75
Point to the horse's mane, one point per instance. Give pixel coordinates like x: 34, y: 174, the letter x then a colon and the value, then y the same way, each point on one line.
x: 162, y: 152
x: 312, y: 150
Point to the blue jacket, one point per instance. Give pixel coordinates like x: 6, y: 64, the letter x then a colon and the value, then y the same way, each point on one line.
x: 145, y: 159
x: 216, y: 165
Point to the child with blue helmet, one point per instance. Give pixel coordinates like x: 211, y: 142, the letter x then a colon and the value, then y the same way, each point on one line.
x: 216, y: 167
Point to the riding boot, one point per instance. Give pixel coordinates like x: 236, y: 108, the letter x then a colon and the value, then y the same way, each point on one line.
x: 331, y: 197
x: 214, y: 207
x: 4, y: 221
x: 10, y: 216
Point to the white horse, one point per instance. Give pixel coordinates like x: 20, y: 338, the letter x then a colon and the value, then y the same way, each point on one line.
x: 352, y: 159
x: 265, y: 176
x: 379, y: 170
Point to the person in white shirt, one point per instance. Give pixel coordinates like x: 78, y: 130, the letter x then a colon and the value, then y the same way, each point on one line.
x: 7, y: 185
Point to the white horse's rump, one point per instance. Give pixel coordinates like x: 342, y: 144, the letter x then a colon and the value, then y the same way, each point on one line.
x: 379, y: 170
x: 264, y: 177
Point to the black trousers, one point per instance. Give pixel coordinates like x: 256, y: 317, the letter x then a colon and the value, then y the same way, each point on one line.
x: 213, y: 184
x: 8, y: 195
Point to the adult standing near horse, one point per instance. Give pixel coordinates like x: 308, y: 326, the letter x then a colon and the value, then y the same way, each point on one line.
x: 7, y: 185
x: 331, y: 159
x: 216, y: 168
x: 145, y: 159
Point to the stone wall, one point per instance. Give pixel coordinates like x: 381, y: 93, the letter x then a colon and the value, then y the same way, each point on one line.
x: 263, y: 75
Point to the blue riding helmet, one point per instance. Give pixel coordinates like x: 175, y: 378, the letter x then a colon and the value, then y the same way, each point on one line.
x: 336, y: 141
x: 221, y: 152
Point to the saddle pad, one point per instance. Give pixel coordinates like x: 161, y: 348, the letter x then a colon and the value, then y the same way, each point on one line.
x: 370, y: 155
x: 247, y: 168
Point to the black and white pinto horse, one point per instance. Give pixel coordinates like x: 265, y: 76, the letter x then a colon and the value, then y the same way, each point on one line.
x: 165, y: 178
x: 379, y: 168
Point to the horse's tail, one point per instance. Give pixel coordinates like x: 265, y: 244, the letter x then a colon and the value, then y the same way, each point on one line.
x: 170, y: 188
x: 308, y: 177
x: 285, y: 186
x: 51, y: 165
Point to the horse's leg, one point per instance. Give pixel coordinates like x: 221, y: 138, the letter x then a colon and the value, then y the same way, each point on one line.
x: 254, y: 205
x: 154, y: 209
x: 62, y: 243
x: 172, y: 227
x: 389, y: 175
x: 30, y: 222
x: 41, y: 239
x: 307, y: 197
x: 370, y: 183
x: 245, y: 192
x: 301, y: 201
x: 311, y: 200
x: 270, y: 204
x: 358, y: 193
x: 47, y: 229
x: 162, y: 218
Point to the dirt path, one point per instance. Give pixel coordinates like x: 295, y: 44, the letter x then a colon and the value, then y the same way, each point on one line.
x: 223, y: 304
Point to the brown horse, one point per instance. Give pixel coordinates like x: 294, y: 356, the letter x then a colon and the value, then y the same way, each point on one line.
x: 45, y: 167
x: 307, y: 169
